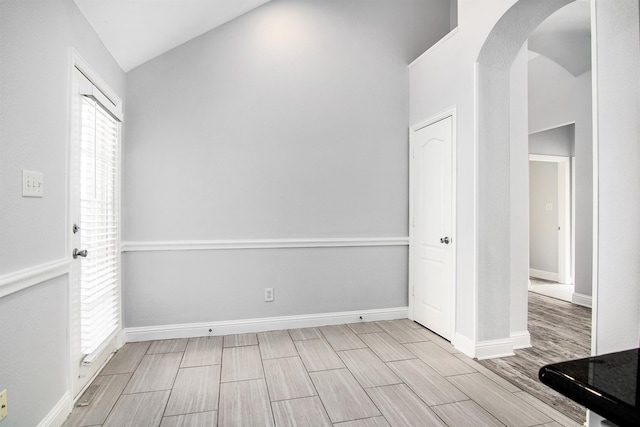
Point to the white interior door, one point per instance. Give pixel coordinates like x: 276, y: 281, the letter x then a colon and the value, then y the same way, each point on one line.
x: 94, y: 230
x: 432, y: 240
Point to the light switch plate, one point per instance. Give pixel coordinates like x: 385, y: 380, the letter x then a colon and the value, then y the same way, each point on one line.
x: 32, y: 184
x: 3, y: 404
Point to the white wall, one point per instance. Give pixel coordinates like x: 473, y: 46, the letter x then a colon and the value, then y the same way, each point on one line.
x: 35, y: 41
x: 551, y: 95
x: 289, y: 122
x: 617, y: 296
x: 519, y: 226
x: 448, y: 76
x: 617, y: 242
x: 440, y: 79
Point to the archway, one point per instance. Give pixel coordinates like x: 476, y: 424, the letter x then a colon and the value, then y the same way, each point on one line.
x: 498, y: 254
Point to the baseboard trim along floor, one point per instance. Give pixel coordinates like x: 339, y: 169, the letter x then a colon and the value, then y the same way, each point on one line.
x: 228, y: 327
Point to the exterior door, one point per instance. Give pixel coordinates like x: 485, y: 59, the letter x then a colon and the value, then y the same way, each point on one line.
x: 94, y: 232
x: 431, y: 239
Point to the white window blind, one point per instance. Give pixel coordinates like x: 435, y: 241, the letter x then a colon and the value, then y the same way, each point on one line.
x: 99, y: 228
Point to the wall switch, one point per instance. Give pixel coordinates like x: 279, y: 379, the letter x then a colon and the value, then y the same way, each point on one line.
x: 3, y: 404
x: 268, y: 294
x: 32, y: 184
x: 549, y: 206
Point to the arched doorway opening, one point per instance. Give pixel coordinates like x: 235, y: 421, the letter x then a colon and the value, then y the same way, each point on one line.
x: 500, y: 256
x: 616, y: 241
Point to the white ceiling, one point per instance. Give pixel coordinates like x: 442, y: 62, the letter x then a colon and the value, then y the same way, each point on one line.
x: 135, y: 31
x: 565, y: 37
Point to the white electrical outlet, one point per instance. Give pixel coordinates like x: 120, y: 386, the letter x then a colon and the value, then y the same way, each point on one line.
x: 32, y: 184
x: 268, y: 294
x: 3, y: 404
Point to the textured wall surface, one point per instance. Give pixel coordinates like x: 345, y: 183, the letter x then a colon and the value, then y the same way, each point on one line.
x: 34, y: 351
x: 289, y: 122
x: 35, y: 74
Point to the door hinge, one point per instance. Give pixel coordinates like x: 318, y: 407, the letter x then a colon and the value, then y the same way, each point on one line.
x: 413, y: 222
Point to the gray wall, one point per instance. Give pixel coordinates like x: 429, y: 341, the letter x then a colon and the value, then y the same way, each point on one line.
x: 208, y: 286
x: 584, y: 201
x: 289, y: 122
x: 35, y: 37
x: 543, y: 190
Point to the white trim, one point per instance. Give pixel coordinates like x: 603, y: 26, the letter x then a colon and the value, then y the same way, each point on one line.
x: 59, y: 413
x: 199, y: 245
x: 541, y: 274
x: 22, y: 279
x: 564, y: 209
x: 474, y: 258
x: 110, y: 100
x: 190, y: 330
x: 555, y: 126
x: 595, y: 286
x: 521, y: 339
x: 581, y: 299
x: 491, y: 349
x: 440, y: 42
x: 464, y: 345
x: 119, y: 341
x: 546, y: 158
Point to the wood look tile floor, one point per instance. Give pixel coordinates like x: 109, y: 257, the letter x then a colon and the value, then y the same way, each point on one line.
x: 559, y: 331
x: 389, y: 373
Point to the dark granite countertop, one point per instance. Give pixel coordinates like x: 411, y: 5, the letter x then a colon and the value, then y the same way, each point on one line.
x: 606, y: 384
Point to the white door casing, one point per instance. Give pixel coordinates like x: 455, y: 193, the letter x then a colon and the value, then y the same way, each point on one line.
x: 432, y: 293
x: 564, y: 213
x: 81, y: 370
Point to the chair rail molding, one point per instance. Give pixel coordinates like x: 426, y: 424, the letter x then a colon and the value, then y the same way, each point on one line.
x: 203, y: 245
x: 22, y: 279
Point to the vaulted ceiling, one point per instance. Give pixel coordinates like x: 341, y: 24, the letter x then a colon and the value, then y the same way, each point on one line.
x: 135, y: 31
x: 565, y: 37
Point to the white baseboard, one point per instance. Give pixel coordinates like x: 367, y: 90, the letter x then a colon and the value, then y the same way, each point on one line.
x: 485, y: 349
x: 521, y: 339
x: 58, y: 415
x: 541, y: 274
x: 581, y: 299
x: 491, y: 349
x: 190, y: 330
x: 465, y: 345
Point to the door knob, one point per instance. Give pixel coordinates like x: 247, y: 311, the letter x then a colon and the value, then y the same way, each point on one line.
x: 445, y: 240
x: 77, y: 253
